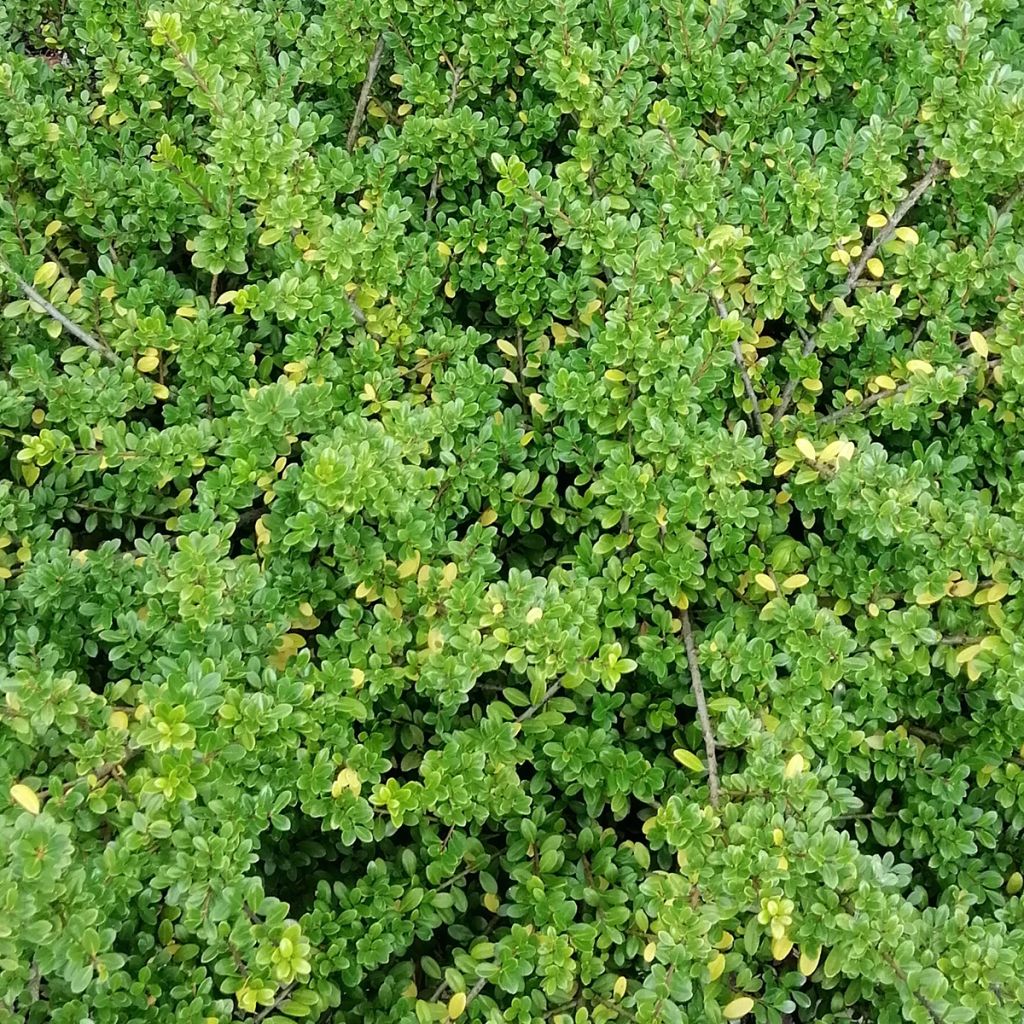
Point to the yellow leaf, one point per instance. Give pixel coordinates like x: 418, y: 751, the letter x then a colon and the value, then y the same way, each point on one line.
x: 410, y: 566
x: 908, y: 235
x: 920, y: 366
x: 979, y: 343
x: 188, y: 312
x: 840, y: 256
x: 614, y: 375
x: 262, y: 532
x: 806, y: 448
x: 346, y: 779
x: 992, y: 594
x: 650, y: 951
x: 964, y: 588
x: 46, y: 275
x: 29, y: 473
x: 456, y: 1005
x: 444, y: 249
x: 794, y: 766
x: 716, y: 966
x: 161, y: 391
x: 559, y: 333
x: 884, y: 381
x: 876, y: 268
x: 449, y: 289
x: 286, y: 649
x: 25, y: 797
x: 812, y: 384
x: 809, y: 961
x: 488, y: 516
x: 738, y: 1008
x: 620, y: 987
x: 491, y: 902
x: 506, y: 348
x: 534, y: 615
x: 118, y: 720
x: 226, y: 297
x: 448, y: 574
x: 765, y: 582
x: 795, y: 582
x: 1014, y: 883
x: 688, y: 760
x: 147, y: 364
x: 358, y: 678
x: 968, y: 653
x: 877, y: 220
x: 781, y: 948
x: 783, y: 467
x: 725, y: 942
x: 537, y: 403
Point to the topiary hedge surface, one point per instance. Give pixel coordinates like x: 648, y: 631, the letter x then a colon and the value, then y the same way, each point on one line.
x: 512, y: 511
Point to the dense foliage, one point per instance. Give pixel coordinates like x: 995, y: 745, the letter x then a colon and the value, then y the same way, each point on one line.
x: 512, y: 511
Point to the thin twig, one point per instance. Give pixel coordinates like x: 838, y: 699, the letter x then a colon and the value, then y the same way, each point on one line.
x: 364, y: 94
x: 883, y: 236
x: 534, y: 708
x: 56, y: 314
x: 435, y: 182
x: 275, y: 1005
x: 748, y: 384
x: 878, y: 396
x: 929, y: 1007
x: 702, y: 709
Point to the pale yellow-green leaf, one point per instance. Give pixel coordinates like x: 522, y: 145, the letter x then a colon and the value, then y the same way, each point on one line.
x: 25, y: 797
x: 46, y: 275
x: 809, y: 961
x: 738, y: 1008
x: 688, y: 760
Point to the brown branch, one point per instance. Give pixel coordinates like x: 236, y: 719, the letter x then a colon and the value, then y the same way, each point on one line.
x: 435, y: 182
x: 878, y: 396
x: 852, y: 279
x: 702, y: 709
x: 53, y: 312
x: 364, y: 94
x: 930, y: 1008
x: 534, y: 708
x: 275, y: 1005
x: 748, y: 384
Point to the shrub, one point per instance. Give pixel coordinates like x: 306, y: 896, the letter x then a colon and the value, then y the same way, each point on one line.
x: 512, y: 512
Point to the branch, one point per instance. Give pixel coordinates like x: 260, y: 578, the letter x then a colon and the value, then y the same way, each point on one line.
x: 883, y: 236
x: 52, y: 311
x: 878, y: 396
x: 364, y: 94
x: 702, y: 709
x: 534, y: 708
x: 275, y: 1005
x: 929, y: 1007
x: 435, y: 182
x: 748, y: 384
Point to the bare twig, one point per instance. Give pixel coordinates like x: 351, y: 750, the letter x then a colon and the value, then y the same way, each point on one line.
x: 275, y: 1005
x: 883, y: 236
x: 929, y: 1007
x: 534, y: 708
x: 878, y: 396
x: 435, y: 182
x: 702, y: 709
x: 748, y: 384
x: 52, y: 311
x: 364, y: 94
